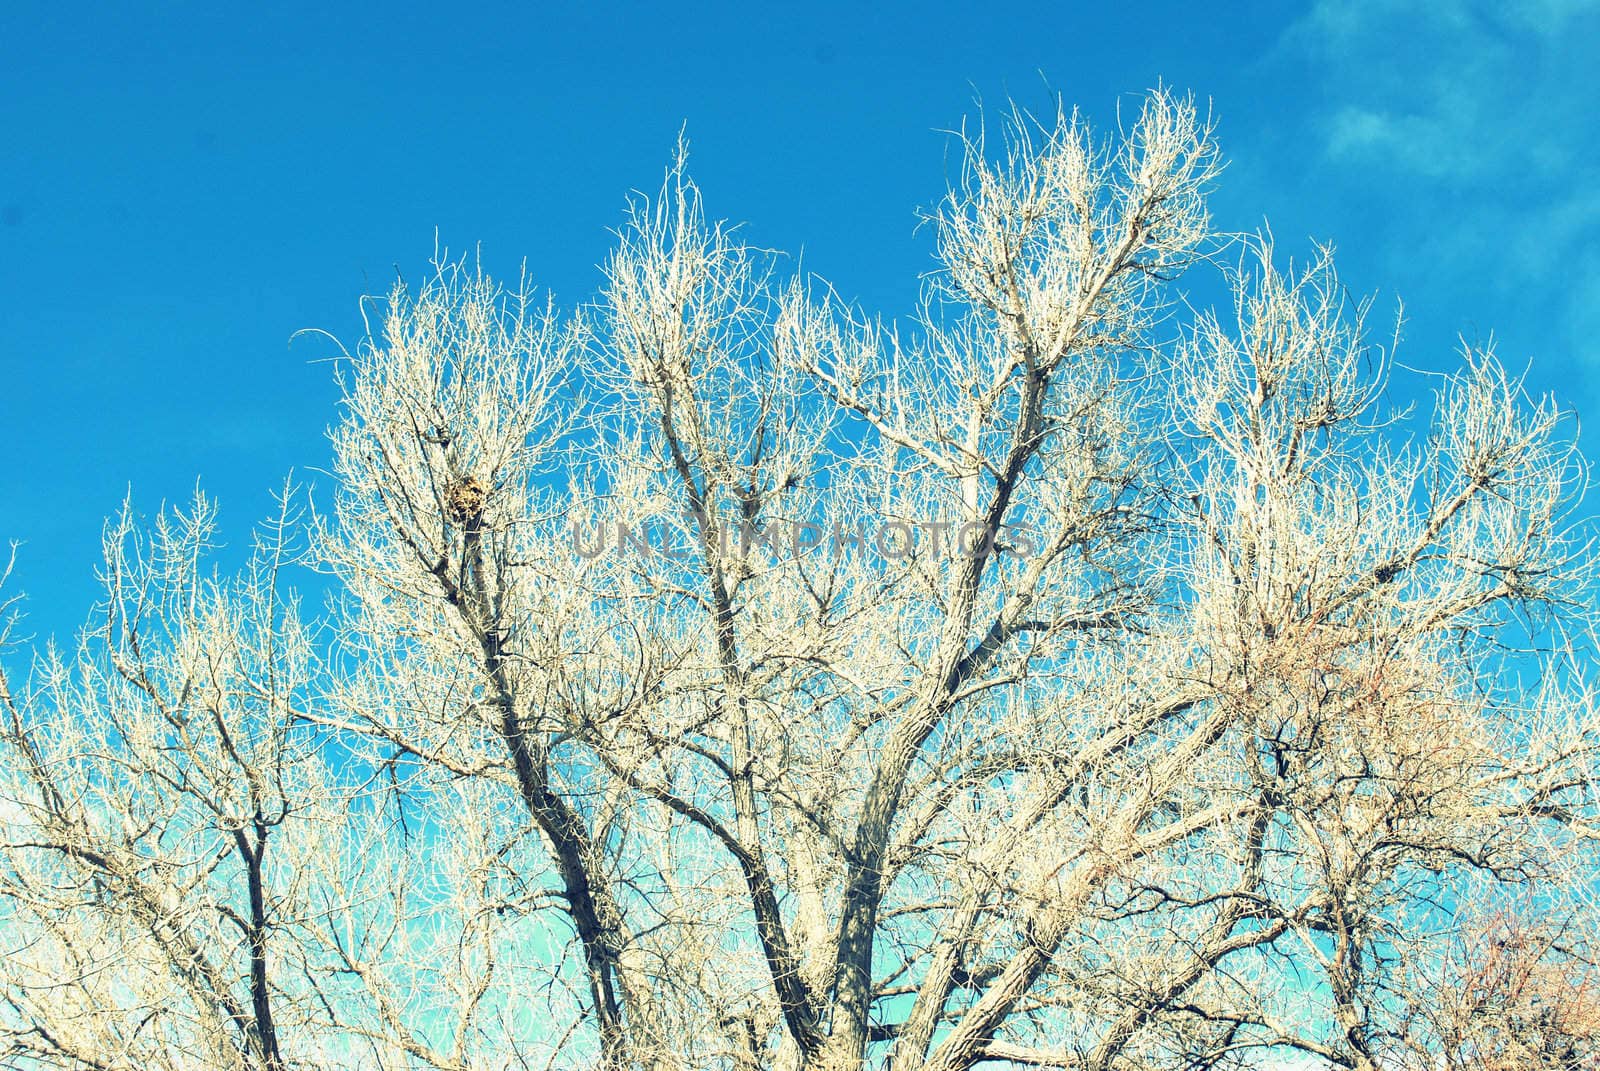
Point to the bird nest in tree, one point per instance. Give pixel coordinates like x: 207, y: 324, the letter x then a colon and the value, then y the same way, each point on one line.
x: 465, y: 499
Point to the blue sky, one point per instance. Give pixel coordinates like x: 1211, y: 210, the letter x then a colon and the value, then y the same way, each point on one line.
x: 184, y: 186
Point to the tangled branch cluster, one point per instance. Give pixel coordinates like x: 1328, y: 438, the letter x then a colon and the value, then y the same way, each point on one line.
x: 1291, y: 691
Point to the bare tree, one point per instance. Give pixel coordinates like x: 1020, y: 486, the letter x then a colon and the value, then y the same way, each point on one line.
x: 723, y: 678
x: 147, y: 782
x: 195, y: 876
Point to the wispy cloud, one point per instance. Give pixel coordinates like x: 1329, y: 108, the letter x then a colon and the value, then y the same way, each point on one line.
x: 1484, y: 114
x: 1455, y: 91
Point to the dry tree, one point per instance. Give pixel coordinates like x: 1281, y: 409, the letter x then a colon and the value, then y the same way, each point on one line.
x: 1063, y: 677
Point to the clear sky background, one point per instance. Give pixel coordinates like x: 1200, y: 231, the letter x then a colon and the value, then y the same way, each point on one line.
x: 183, y: 186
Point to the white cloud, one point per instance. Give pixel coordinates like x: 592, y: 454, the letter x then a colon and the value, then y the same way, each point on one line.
x: 1475, y: 118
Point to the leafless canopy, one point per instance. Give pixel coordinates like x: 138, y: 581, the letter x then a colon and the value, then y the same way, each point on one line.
x: 718, y: 677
